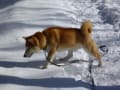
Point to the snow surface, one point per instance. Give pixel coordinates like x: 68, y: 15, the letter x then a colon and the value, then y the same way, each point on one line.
x: 24, y: 17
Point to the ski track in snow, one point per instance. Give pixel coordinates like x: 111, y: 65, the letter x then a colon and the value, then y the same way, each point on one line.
x: 26, y: 17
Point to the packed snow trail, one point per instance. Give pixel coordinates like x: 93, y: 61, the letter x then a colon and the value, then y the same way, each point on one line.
x: 25, y: 17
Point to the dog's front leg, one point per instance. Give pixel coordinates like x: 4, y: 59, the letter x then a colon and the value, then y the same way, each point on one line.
x: 50, y: 57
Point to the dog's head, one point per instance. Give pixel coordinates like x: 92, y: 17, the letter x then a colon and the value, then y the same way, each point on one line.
x: 34, y: 43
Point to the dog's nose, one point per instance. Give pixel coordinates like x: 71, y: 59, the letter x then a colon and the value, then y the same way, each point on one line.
x: 25, y: 55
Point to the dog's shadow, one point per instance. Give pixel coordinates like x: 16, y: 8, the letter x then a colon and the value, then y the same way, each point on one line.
x: 39, y: 63
x: 29, y: 64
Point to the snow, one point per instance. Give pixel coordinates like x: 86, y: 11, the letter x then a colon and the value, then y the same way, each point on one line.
x: 24, y: 17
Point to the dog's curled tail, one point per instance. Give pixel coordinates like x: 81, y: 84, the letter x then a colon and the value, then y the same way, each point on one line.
x: 86, y: 27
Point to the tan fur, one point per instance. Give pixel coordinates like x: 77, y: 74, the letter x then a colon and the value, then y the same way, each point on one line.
x: 59, y: 38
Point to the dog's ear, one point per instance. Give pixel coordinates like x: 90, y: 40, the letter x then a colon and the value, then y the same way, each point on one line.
x: 24, y: 37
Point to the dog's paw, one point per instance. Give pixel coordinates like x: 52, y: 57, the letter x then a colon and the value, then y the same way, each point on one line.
x: 63, y: 60
x: 99, y: 65
x: 43, y: 67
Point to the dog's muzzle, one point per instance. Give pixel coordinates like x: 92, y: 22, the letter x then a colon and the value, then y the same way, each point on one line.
x: 28, y: 53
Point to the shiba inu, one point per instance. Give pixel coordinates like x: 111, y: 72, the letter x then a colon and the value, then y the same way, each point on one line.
x: 55, y: 39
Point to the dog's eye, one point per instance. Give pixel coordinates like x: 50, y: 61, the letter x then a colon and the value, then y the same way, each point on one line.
x: 29, y: 44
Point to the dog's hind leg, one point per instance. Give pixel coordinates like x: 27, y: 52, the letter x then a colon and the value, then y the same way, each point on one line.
x: 69, y: 55
x: 92, y: 49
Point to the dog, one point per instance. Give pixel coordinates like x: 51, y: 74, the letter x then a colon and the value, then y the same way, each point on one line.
x: 56, y: 38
